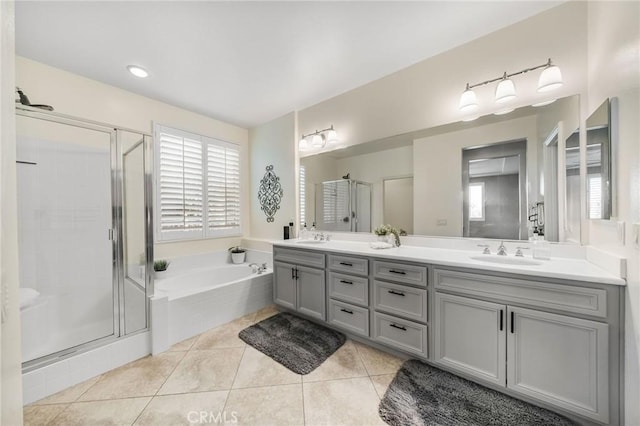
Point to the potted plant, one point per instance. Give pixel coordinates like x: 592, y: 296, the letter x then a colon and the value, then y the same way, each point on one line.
x: 160, y: 266
x: 238, y: 254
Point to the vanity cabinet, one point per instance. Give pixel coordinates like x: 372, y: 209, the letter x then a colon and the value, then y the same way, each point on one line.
x: 348, y: 287
x: 556, y: 358
x: 298, y: 286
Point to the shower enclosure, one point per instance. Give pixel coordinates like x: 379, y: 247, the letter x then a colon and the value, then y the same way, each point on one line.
x: 85, y: 233
x: 343, y: 206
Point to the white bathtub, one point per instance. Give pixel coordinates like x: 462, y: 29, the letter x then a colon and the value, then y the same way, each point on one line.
x: 201, y: 292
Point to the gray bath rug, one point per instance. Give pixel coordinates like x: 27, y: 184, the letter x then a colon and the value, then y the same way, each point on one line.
x: 424, y: 395
x: 298, y: 344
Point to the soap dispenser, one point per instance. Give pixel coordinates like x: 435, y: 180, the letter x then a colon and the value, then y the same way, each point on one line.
x: 541, y: 249
x: 304, y: 233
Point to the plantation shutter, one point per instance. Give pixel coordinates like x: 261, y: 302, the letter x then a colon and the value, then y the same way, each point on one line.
x: 197, y: 186
x: 303, y: 195
x: 595, y: 197
x: 223, y: 188
x: 180, y: 185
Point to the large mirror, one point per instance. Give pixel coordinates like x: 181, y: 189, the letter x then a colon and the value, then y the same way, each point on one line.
x: 499, y: 176
x: 599, y: 188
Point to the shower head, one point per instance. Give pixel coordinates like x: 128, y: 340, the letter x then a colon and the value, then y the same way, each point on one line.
x: 347, y: 176
x: 24, y: 100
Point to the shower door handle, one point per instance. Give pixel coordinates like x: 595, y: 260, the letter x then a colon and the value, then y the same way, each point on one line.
x: 110, y: 234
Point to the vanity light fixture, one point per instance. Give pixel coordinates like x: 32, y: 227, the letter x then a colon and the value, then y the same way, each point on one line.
x: 550, y: 79
x: 318, y: 139
x: 138, y: 71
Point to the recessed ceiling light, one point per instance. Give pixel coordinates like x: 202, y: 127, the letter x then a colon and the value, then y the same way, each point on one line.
x: 138, y: 71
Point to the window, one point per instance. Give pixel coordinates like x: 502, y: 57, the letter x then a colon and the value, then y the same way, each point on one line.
x: 595, y: 197
x: 197, y: 186
x: 476, y: 201
x: 303, y: 195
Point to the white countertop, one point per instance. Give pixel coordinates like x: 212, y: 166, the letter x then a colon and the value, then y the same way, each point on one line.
x: 560, y: 268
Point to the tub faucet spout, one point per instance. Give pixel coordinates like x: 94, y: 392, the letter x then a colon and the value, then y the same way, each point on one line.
x: 254, y: 267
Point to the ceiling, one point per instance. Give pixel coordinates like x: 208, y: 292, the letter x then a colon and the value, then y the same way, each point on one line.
x: 247, y: 63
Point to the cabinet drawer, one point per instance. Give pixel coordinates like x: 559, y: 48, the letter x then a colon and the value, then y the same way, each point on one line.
x: 349, y: 288
x: 400, y: 300
x: 299, y: 257
x: 410, y: 274
x: 351, y: 318
x: 351, y: 265
x: 402, y: 334
x: 582, y: 300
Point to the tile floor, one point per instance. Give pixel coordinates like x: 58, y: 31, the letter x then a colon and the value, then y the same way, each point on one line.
x: 215, y: 377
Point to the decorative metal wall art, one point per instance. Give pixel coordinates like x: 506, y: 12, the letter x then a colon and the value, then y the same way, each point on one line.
x: 270, y: 193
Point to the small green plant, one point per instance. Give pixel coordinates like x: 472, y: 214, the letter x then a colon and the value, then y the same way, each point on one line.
x: 387, y: 229
x: 236, y: 249
x: 160, y: 265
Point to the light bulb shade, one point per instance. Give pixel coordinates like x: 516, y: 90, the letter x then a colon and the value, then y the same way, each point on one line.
x: 550, y: 79
x: 468, y: 101
x: 318, y: 141
x: 303, y: 145
x: 332, y: 136
x: 505, y: 91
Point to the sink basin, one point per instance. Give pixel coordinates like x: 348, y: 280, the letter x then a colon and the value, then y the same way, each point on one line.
x: 311, y: 241
x: 506, y: 260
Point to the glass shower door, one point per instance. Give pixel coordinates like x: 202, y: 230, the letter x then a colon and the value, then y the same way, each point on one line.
x: 65, y: 228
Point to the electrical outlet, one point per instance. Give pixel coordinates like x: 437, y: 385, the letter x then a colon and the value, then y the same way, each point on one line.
x: 636, y: 235
x: 620, y: 231
x: 441, y: 222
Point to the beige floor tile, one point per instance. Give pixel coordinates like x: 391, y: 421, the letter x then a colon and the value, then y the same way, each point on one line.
x: 225, y: 336
x: 341, y: 402
x: 138, y: 378
x: 382, y: 382
x: 265, y: 313
x: 185, y: 345
x: 344, y: 363
x: 204, y: 371
x: 257, y: 369
x: 272, y: 405
x: 184, y: 409
x: 377, y: 362
x: 112, y: 412
x: 40, y: 415
x: 70, y: 394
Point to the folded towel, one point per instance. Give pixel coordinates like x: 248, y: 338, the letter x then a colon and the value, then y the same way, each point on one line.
x: 27, y: 296
x: 380, y: 245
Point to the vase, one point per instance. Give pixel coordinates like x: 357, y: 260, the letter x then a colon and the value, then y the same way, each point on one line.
x: 382, y: 238
x: 391, y: 239
x: 238, y: 257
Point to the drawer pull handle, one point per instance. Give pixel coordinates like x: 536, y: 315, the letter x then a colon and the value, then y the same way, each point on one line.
x: 501, y: 319
x: 346, y: 264
x: 399, y: 327
x: 346, y: 282
x: 397, y: 293
x: 393, y: 271
x: 347, y: 311
x: 512, y: 321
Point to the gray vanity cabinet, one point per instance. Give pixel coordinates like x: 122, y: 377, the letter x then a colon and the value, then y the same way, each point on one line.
x: 299, y: 281
x: 559, y: 359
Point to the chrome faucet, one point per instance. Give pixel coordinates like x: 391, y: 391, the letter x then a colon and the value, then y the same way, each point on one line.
x: 519, y: 251
x: 502, y: 250
x: 258, y: 268
x: 486, y: 248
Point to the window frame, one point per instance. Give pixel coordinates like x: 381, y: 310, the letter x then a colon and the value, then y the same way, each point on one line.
x: 204, y: 233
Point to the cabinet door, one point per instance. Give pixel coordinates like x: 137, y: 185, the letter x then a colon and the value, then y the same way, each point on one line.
x: 311, y: 292
x: 559, y: 359
x: 284, y: 285
x: 470, y: 337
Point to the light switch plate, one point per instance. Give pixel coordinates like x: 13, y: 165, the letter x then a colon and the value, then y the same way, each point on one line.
x: 441, y: 222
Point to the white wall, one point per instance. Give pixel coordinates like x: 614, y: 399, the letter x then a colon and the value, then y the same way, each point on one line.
x: 437, y: 165
x: 614, y: 71
x: 10, y: 357
x: 427, y: 94
x: 81, y: 97
x: 273, y: 144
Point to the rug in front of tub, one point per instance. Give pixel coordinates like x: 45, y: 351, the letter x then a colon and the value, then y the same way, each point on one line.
x: 424, y: 395
x: 298, y: 344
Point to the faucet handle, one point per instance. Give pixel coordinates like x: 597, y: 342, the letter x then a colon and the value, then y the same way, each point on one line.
x: 519, y: 251
x: 486, y: 248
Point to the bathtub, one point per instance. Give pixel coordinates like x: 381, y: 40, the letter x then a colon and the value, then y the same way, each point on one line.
x: 201, y: 292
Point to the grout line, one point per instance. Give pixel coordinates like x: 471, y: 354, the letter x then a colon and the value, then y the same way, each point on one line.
x: 59, y: 414
x: 224, y: 407
x: 361, y: 358
x: 304, y: 414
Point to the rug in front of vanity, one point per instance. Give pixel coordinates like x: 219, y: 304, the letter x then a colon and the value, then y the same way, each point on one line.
x: 298, y: 344
x: 424, y: 395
